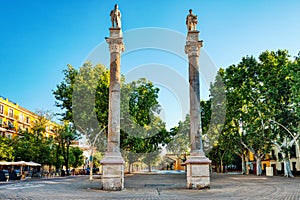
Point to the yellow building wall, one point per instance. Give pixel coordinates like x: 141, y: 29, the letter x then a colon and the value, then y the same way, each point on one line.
x: 251, y: 156
x: 178, y: 164
x: 265, y: 163
x: 21, y: 119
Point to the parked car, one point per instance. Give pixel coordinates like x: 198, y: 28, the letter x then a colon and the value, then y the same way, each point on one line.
x: 36, y: 174
x: 65, y: 172
x: 4, y: 175
x: 15, y: 175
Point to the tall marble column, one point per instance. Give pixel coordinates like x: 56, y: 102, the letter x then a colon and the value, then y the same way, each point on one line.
x: 113, y: 163
x: 198, y: 174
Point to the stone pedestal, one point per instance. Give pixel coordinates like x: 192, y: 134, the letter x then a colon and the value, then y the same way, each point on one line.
x: 269, y: 171
x: 112, y: 172
x: 113, y: 163
x: 198, y: 173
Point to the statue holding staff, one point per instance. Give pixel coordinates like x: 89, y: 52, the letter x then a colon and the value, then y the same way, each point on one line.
x: 115, y: 16
x: 191, y: 21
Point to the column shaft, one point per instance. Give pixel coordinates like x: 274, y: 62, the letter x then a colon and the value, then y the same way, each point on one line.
x: 114, y: 104
x: 194, y: 103
x: 192, y: 48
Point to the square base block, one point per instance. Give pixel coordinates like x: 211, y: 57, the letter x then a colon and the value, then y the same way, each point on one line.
x: 198, y: 173
x: 112, y: 173
x: 115, y: 32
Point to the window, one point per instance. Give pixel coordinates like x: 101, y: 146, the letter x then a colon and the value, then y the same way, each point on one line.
x: 273, y: 153
x: 11, y: 113
x: 293, y: 152
x: 1, y: 120
x: 10, y: 125
x: 21, y: 118
x: 272, y: 156
x: 27, y: 120
x: 20, y: 128
x: 279, y: 156
x: 1, y: 109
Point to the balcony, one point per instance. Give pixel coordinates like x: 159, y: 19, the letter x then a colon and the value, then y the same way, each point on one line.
x: 11, y: 117
x: 11, y: 130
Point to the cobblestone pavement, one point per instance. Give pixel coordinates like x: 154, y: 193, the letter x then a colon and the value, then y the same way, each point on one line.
x: 158, y: 186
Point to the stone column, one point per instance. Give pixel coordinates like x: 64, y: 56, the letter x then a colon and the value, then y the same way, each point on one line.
x: 198, y: 174
x: 113, y: 163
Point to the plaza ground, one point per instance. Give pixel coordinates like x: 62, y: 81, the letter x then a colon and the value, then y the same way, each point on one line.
x: 155, y: 186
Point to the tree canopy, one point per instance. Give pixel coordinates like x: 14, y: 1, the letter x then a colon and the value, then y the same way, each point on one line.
x: 83, y: 96
x: 259, y: 93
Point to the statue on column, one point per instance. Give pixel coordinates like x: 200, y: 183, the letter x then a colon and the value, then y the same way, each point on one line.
x: 191, y: 21
x: 115, y: 16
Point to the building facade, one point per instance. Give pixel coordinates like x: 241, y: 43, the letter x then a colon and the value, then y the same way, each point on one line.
x: 14, y: 118
x: 274, y: 160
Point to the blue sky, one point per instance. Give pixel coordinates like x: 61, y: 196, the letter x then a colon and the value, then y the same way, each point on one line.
x: 39, y: 38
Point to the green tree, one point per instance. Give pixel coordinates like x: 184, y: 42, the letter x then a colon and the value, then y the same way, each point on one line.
x: 180, y: 142
x: 24, y: 147
x: 285, y: 122
x: 83, y: 94
x: 143, y: 102
x: 76, y: 157
x: 257, y: 93
x: 142, y: 131
x: 6, y: 150
x: 64, y: 91
x: 66, y: 136
x: 213, y: 111
x: 34, y: 145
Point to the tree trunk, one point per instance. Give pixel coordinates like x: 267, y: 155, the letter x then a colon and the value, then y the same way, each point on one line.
x: 221, y: 163
x: 244, y: 168
x: 149, y: 167
x: 258, y: 166
x: 67, y: 161
x: 91, y: 163
x: 218, y: 168
x: 91, y: 168
x: 57, y: 164
x: 297, y: 150
x: 129, y: 167
x: 246, y: 161
x: 287, y: 167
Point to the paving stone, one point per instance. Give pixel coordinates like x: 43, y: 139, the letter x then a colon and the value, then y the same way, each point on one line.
x: 155, y: 187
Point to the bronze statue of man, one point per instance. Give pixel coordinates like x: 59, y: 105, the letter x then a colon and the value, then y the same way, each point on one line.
x: 115, y: 16
x: 191, y: 21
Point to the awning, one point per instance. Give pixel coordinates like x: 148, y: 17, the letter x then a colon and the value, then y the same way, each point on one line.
x: 31, y: 163
x: 20, y: 163
x: 5, y: 163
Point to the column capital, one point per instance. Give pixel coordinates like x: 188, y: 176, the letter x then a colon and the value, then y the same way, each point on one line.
x: 193, y: 45
x: 116, y: 45
x: 192, y: 48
